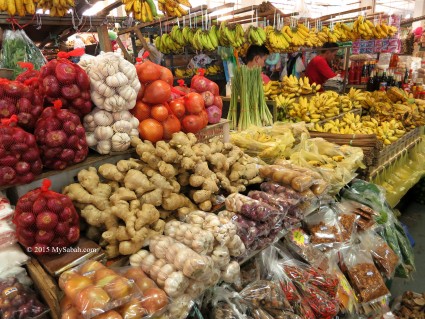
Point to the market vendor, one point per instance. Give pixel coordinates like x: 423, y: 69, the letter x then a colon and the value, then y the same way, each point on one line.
x: 256, y: 56
x: 319, y: 70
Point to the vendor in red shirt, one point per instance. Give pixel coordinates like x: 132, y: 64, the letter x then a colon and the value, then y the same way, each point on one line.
x: 256, y: 56
x: 319, y: 70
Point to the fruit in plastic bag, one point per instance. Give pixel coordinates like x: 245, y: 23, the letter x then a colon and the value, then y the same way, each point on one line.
x: 46, y: 221
x: 61, y: 137
x: 19, y: 155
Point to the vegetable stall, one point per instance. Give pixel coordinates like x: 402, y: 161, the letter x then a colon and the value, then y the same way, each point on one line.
x: 132, y: 187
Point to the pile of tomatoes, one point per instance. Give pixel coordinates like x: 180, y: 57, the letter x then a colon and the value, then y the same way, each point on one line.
x: 163, y: 110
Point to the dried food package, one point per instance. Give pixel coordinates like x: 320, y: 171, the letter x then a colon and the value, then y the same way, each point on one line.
x: 384, y: 257
x: 322, y: 304
x: 298, y: 242
x: 363, y: 275
x: 267, y: 295
x: 348, y: 223
x: 324, y: 228
x: 250, y: 208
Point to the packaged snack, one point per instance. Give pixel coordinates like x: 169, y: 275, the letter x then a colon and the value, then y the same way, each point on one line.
x: 250, y: 208
x: 364, y: 276
x: 46, y: 221
x: 297, y: 241
x: 384, y: 257
x: 279, y: 202
x: 18, y: 301
x: 348, y: 224
x: 324, y: 228
x: 365, y: 215
x: 322, y: 304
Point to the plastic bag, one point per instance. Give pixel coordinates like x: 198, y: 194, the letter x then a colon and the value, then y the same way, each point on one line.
x: 226, y: 303
x: 17, y: 272
x: 18, y: 301
x: 114, y: 82
x: 61, y: 137
x: 6, y: 211
x: 324, y: 228
x: 250, y: 208
x: 93, y: 289
x: 20, y: 158
x: 364, y: 276
x: 366, y: 215
x: 298, y: 242
x: 20, y: 99
x: 7, y: 234
x: 321, y: 304
x: 266, y: 295
x: 46, y: 221
x: 64, y: 80
x: 384, y: 257
x: 12, y: 256
x: 284, y: 205
x: 29, y: 74
x: 200, y: 84
x: 18, y: 47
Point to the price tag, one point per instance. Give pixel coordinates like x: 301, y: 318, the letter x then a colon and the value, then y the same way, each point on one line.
x: 298, y: 236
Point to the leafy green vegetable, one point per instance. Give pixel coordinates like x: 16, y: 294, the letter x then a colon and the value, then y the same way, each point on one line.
x: 17, y: 47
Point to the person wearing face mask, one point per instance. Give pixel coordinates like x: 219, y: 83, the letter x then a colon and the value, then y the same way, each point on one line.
x: 319, y: 70
x: 256, y: 56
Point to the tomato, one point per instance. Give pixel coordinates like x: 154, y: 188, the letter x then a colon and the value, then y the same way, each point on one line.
x: 151, y: 130
x: 171, y: 125
x: 204, y: 115
x: 192, y: 123
x: 141, y: 111
x: 145, y: 283
x: 194, y: 103
x: 177, y: 107
x: 154, y: 299
x: 159, y: 112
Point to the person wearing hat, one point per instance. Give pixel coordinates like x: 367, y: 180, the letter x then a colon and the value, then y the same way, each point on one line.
x: 256, y: 56
x: 319, y: 70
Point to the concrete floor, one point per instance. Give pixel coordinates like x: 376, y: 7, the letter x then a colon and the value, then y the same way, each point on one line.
x: 413, y: 215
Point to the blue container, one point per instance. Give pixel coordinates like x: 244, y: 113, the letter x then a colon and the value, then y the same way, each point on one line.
x: 409, y: 236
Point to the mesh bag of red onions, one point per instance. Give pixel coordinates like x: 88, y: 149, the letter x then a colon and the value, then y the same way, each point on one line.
x: 19, y: 155
x: 46, y: 221
x: 61, y: 137
x: 21, y: 99
x: 64, y: 80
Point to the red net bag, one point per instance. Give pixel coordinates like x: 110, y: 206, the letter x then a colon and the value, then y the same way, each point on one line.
x: 200, y: 84
x: 64, y: 80
x: 30, y: 73
x: 61, y: 137
x: 20, y: 99
x: 46, y: 221
x: 19, y: 155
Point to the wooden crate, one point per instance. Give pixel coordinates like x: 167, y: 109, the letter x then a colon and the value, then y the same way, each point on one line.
x: 220, y: 130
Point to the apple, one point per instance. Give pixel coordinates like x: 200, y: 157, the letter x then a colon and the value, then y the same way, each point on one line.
x: 90, y: 267
x: 66, y: 303
x: 145, y: 283
x: 74, y: 285
x: 118, y: 288
x: 104, y: 276
x: 134, y: 273
x: 133, y: 310
x: 71, y: 313
x: 111, y: 314
x: 90, y: 298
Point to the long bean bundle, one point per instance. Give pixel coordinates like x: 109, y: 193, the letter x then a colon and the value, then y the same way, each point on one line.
x: 247, y: 90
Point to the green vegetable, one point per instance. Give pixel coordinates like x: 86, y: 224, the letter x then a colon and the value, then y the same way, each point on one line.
x: 17, y: 47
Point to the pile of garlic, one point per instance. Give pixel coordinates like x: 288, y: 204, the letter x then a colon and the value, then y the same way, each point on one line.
x: 110, y: 132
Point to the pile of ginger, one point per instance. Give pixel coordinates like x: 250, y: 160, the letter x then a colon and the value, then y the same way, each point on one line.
x: 127, y: 203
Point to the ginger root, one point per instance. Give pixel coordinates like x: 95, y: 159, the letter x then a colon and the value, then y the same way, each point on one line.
x: 110, y: 171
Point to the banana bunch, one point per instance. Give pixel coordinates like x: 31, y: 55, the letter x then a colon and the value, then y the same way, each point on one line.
x: 177, y: 36
x: 213, y: 70
x: 57, y: 8
x: 256, y: 35
x: 299, y: 36
x: 173, y: 8
x: 166, y: 45
x: 205, y: 40
x: 301, y: 86
x: 19, y: 7
x: 344, y: 32
x: 184, y: 73
x: 383, y: 30
x: 143, y: 10
x: 234, y: 37
x: 357, y: 97
x: 327, y: 35
x: 283, y: 103
x: 277, y: 41
x: 272, y: 89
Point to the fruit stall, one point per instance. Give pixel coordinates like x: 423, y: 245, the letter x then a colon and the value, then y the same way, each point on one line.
x: 166, y: 178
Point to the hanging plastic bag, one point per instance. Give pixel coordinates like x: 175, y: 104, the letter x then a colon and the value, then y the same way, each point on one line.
x: 17, y: 47
x: 6, y: 211
x: 61, y: 137
x: 64, y: 80
x: 20, y: 159
x: 46, y: 221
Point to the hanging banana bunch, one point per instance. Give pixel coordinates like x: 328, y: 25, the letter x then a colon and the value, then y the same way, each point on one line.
x: 231, y: 36
x: 255, y: 35
x: 173, y: 8
x: 56, y: 8
x: 142, y: 10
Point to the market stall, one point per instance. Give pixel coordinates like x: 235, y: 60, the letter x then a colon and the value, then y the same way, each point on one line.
x: 164, y: 178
